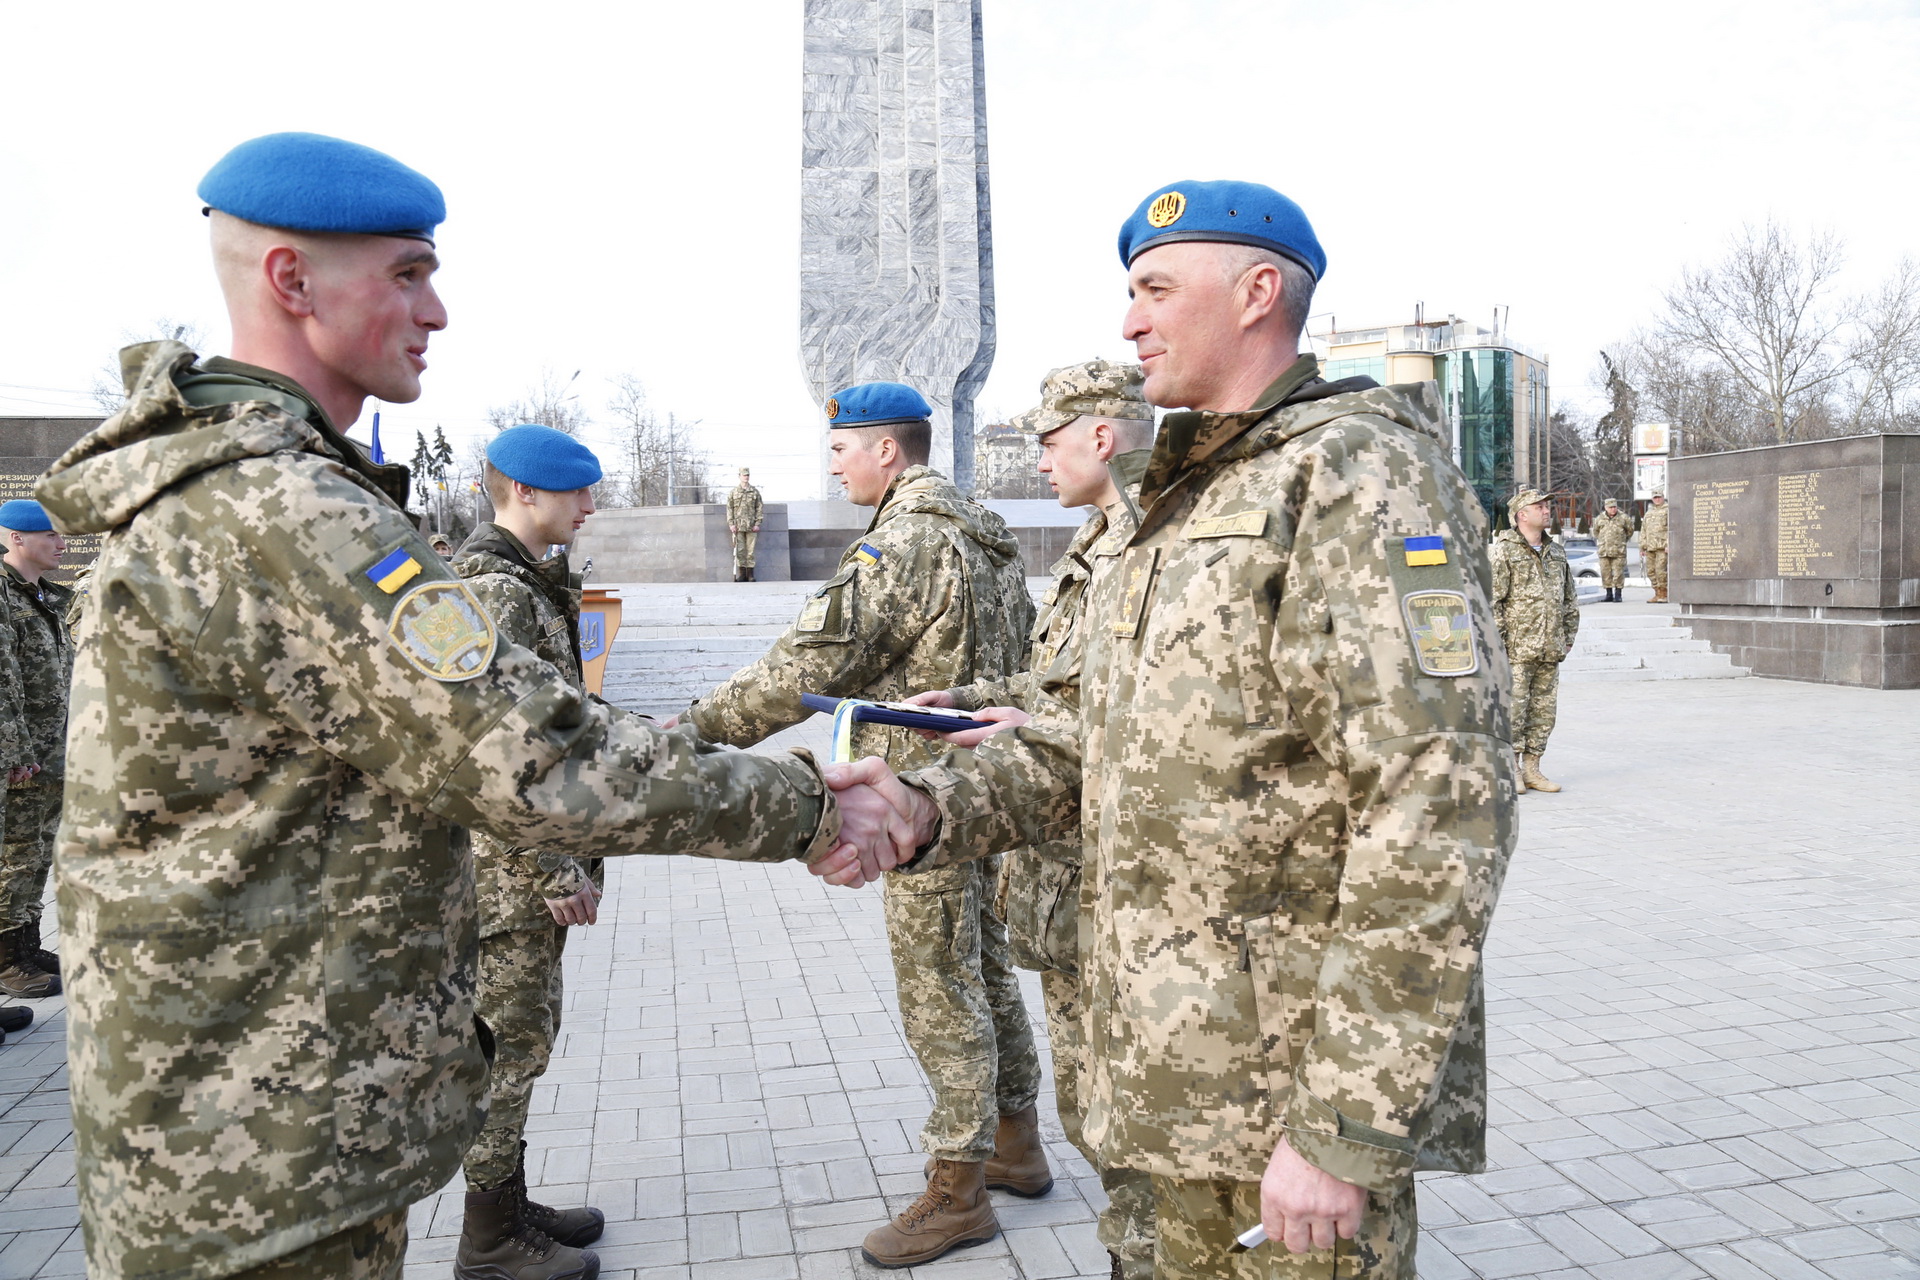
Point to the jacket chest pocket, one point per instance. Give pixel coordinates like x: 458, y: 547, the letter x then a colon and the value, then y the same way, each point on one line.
x: 827, y: 616
x: 1229, y: 569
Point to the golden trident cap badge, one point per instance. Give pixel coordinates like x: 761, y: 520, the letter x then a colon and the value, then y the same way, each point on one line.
x: 1166, y: 211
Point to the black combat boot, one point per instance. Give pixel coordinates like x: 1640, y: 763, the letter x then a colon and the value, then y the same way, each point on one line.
x: 15, y: 1017
x: 575, y: 1228
x: 495, y: 1244
x: 45, y: 959
x: 19, y: 975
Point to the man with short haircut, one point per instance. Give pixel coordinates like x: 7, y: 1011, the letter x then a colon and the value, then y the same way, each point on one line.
x: 286, y: 714
x: 1291, y: 771
x: 539, y: 480
x: 1537, y: 609
x: 1653, y: 545
x: 1610, y: 534
x: 931, y: 596
x: 1095, y: 430
x: 37, y: 608
x: 744, y: 509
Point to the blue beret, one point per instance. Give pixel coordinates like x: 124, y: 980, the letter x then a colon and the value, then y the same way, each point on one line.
x: 872, y: 403
x: 310, y: 182
x: 543, y: 458
x: 24, y: 515
x: 1224, y: 213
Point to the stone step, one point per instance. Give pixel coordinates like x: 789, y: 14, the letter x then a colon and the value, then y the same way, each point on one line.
x: 1661, y: 666
x: 1656, y: 643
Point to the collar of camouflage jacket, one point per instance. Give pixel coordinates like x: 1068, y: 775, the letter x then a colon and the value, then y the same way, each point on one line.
x: 923, y: 491
x: 496, y: 549
x: 51, y: 595
x: 159, y: 438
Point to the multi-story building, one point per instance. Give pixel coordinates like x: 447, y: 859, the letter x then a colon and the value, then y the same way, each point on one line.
x: 1495, y: 391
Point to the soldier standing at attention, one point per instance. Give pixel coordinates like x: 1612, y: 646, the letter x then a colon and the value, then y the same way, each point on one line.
x: 1653, y: 545
x: 1291, y: 773
x: 1610, y: 534
x: 538, y: 480
x: 286, y: 712
x: 744, y: 509
x: 1538, y: 612
x: 932, y: 596
x: 1095, y: 429
x: 37, y: 608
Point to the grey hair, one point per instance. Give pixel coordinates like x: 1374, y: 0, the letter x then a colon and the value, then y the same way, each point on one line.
x: 1296, y: 282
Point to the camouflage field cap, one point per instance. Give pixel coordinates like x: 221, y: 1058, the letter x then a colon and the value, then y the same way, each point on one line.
x: 1612, y: 502
x: 1525, y: 498
x: 1660, y: 491
x: 1096, y: 389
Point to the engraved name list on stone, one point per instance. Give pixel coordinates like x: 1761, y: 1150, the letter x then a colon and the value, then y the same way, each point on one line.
x: 1716, y: 529
x: 1816, y: 524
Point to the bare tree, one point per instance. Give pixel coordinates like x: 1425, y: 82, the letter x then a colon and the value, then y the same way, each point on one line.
x: 551, y: 403
x: 656, y: 463
x: 1885, y: 355
x: 1762, y: 313
x: 108, y: 389
x: 1711, y: 409
x: 1572, y: 472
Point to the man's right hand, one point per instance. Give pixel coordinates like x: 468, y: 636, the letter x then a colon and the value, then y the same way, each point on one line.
x: 576, y: 908
x: 883, y: 823
x: 1003, y: 718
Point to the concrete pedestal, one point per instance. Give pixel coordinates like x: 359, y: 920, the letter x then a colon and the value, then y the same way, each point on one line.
x: 1803, y: 560
x: 678, y: 544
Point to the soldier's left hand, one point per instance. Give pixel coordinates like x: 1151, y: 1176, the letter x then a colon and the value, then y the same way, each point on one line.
x: 1305, y: 1207
x: 576, y: 908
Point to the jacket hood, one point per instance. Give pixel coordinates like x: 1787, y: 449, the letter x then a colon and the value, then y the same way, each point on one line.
x: 923, y: 491
x: 159, y: 438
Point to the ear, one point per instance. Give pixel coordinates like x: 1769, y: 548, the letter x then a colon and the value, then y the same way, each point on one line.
x: 290, y: 279
x: 1260, y: 291
x: 1103, y: 443
x: 887, y: 450
x: 523, y: 493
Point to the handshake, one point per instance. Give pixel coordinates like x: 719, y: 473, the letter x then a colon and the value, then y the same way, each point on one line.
x: 884, y: 822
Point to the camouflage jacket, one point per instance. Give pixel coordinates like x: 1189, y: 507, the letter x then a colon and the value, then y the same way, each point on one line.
x: 1653, y: 528
x: 16, y: 741
x: 744, y: 508
x: 44, y: 651
x: 1534, y: 601
x: 1293, y: 778
x: 536, y: 605
x: 1610, y: 533
x: 1040, y: 885
x: 932, y: 596
x: 285, y: 709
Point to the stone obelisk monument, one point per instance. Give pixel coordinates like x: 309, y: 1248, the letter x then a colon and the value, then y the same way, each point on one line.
x: 896, y: 252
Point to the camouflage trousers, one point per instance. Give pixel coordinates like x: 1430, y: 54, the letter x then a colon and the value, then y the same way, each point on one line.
x: 1126, y: 1224
x: 32, y: 818
x: 1536, y: 698
x: 745, y: 546
x: 960, y: 1005
x: 1613, y: 572
x: 1198, y: 1223
x: 519, y: 998
x: 1656, y: 569
x: 371, y: 1251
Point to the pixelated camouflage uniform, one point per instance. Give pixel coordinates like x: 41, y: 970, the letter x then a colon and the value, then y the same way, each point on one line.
x: 535, y: 604
x: 744, y: 509
x: 944, y: 604
x: 1653, y: 545
x: 44, y: 655
x: 1039, y: 891
x: 1295, y: 832
x: 266, y: 897
x: 1537, y: 610
x: 1610, y: 534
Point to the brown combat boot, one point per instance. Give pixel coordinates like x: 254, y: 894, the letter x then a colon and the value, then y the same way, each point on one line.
x: 575, y: 1228
x: 496, y: 1245
x: 953, y: 1212
x: 19, y: 975
x: 1019, y: 1162
x: 1536, y: 780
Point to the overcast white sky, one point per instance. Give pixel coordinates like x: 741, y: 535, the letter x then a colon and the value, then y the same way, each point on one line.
x: 622, y: 180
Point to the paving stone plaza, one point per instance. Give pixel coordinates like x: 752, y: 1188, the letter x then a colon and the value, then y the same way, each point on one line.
x: 1705, y: 1037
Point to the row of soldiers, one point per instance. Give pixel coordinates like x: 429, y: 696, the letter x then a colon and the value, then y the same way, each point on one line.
x: 1263, y: 714
x: 1611, y: 531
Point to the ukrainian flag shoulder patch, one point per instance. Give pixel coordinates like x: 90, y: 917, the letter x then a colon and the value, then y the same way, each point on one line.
x: 1431, y: 549
x: 394, y: 570
x: 866, y: 554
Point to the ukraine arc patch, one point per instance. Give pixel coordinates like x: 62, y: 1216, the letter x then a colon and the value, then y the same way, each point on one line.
x: 866, y: 554
x: 1431, y: 549
x: 394, y: 570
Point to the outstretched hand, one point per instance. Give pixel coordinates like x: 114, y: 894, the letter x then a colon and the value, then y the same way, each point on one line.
x: 883, y: 823
x: 1003, y: 718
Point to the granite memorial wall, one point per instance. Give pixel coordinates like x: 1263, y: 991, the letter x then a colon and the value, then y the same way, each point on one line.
x: 28, y: 446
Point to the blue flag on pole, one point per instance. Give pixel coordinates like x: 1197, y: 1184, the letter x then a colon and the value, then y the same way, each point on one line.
x: 378, y: 456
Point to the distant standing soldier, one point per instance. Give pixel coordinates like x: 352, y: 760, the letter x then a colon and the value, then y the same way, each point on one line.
x: 37, y: 609
x: 1610, y: 533
x: 539, y: 481
x: 932, y: 596
x: 744, y: 509
x: 1538, y: 612
x: 1095, y: 428
x: 1653, y: 545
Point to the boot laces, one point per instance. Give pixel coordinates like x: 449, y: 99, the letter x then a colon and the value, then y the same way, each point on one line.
x: 526, y: 1235
x: 935, y: 1198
